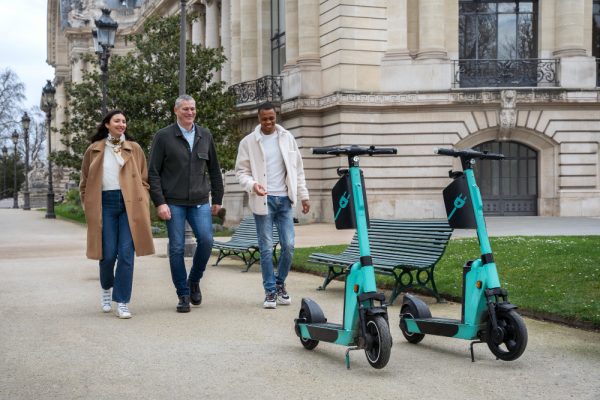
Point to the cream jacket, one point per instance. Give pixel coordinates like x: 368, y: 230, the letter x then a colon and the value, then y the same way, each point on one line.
x: 251, y: 168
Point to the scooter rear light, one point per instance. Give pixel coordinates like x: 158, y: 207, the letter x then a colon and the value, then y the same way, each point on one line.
x: 355, y: 288
x: 478, y: 284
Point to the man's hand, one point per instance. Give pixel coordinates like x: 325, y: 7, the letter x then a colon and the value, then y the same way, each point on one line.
x: 164, y: 212
x: 305, y: 206
x: 215, y: 208
x: 259, y: 189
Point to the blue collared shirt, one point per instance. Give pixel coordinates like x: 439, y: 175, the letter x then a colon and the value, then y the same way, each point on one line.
x: 188, y: 135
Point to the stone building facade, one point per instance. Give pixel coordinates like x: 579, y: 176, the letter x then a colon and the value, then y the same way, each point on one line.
x: 519, y: 77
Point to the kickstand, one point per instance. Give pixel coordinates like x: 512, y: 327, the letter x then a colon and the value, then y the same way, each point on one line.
x: 471, y: 347
x: 348, y: 350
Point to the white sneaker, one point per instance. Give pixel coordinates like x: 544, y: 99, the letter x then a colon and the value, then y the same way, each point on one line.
x: 106, y: 300
x: 270, y: 301
x: 123, y: 311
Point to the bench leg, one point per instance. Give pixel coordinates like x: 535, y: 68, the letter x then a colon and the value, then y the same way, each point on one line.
x: 433, y: 287
x: 221, y: 256
x: 331, y: 275
x: 398, y: 286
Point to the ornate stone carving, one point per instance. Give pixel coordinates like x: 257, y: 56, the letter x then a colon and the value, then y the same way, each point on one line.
x: 508, y: 114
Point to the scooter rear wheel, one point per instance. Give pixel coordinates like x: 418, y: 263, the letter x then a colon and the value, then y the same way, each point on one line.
x: 509, y: 342
x: 380, y: 343
x: 409, y: 311
x: 308, y: 344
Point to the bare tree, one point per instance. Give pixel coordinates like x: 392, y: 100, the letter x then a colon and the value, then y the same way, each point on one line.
x: 11, y: 97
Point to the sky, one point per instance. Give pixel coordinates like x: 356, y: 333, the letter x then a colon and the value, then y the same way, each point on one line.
x: 23, y: 45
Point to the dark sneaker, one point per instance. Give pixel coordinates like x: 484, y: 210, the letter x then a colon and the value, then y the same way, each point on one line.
x: 270, y: 300
x: 195, y: 293
x: 184, y: 304
x: 283, y: 297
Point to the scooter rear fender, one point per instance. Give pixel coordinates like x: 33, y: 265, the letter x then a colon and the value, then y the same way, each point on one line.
x: 421, y: 307
x: 312, y: 310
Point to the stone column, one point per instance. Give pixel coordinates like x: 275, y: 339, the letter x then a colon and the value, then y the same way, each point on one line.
x: 303, y: 78
x: 212, y: 24
x: 263, y: 44
x: 76, y: 71
x: 236, y: 55
x: 431, y: 30
x: 397, y: 30
x: 212, y: 30
x: 291, y: 32
x: 226, y: 39
x: 570, y: 26
x: 577, y: 69
x: 308, y: 37
x: 248, y: 40
x: 198, y: 26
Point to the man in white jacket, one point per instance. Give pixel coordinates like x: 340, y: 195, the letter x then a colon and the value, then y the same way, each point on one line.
x: 269, y: 168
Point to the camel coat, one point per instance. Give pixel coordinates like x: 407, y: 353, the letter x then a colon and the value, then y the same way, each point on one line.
x: 133, y: 180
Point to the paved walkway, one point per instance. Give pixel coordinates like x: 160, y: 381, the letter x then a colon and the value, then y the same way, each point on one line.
x: 57, y: 344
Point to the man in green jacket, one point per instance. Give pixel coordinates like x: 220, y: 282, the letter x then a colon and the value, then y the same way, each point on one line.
x: 182, y: 170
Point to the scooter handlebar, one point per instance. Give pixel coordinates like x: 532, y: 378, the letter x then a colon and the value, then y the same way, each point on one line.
x: 354, y: 150
x: 469, y: 153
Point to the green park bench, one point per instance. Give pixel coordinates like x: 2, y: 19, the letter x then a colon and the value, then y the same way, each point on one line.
x: 244, y: 244
x: 408, y: 250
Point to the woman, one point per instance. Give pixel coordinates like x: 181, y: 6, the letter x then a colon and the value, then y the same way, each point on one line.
x: 114, y: 194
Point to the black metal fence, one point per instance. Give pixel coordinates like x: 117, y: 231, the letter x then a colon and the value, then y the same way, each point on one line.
x: 505, y: 73
x: 267, y: 88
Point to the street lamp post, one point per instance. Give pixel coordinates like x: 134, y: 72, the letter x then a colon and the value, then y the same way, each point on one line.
x: 47, y: 104
x: 4, y: 157
x: 15, y: 139
x: 104, y: 40
x: 25, y: 120
x: 182, y: 48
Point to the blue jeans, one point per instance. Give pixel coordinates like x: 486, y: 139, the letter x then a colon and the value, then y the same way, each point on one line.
x: 200, y: 220
x: 281, y: 214
x: 117, y: 247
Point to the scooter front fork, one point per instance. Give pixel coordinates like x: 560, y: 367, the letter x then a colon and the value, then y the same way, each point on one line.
x: 497, y: 299
x: 493, y: 297
x: 364, y: 312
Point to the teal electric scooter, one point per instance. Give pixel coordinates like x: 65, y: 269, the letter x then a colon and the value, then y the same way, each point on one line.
x: 487, y: 316
x: 365, y: 325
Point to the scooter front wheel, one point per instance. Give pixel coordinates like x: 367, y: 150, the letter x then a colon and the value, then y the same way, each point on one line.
x: 379, y: 342
x: 308, y: 344
x: 510, y: 339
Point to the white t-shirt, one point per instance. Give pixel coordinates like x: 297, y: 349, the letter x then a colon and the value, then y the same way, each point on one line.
x: 110, y: 174
x: 275, y: 166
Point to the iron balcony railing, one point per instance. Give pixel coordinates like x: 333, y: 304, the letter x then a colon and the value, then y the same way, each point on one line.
x: 505, y: 73
x: 267, y: 88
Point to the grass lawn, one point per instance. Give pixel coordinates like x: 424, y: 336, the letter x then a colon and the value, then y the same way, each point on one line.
x: 75, y: 213
x: 545, y: 276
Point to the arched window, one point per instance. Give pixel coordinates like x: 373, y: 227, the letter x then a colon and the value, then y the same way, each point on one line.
x: 277, y: 36
x: 498, y: 43
x: 508, y: 187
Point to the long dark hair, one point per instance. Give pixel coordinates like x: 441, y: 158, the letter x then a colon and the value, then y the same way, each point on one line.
x: 102, y: 130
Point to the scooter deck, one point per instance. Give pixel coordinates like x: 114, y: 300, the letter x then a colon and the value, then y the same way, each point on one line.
x: 438, y: 326
x: 325, y: 331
